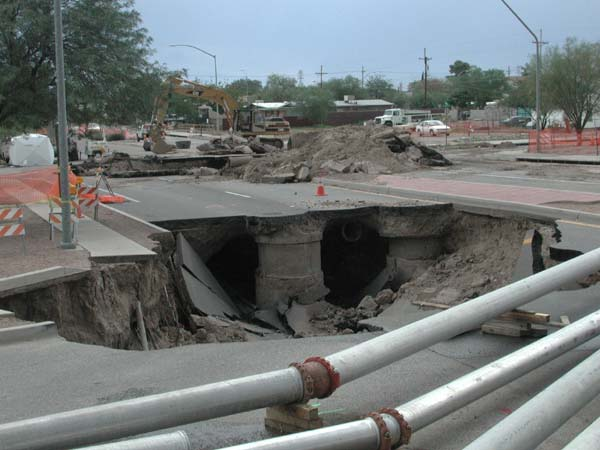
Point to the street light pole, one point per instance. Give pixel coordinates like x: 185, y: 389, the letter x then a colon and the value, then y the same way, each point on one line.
x: 63, y: 161
x: 214, y: 57
x: 538, y: 72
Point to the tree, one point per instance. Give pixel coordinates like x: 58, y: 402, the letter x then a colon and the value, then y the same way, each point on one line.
x: 315, y: 103
x: 379, y: 87
x: 106, y: 68
x: 348, y: 85
x: 521, y: 94
x: 458, y: 68
x: 279, y: 88
x: 572, y: 80
x: 437, y: 93
x: 243, y: 87
x: 472, y: 86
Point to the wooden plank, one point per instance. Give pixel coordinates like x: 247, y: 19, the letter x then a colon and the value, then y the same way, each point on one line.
x: 516, y: 314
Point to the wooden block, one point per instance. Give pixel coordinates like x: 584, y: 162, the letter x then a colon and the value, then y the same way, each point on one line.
x: 501, y: 330
x: 293, y: 418
x: 529, y: 316
x: 299, y: 410
x: 286, y: 428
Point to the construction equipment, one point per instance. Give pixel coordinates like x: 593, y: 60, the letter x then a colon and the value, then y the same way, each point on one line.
x: 246, y: 122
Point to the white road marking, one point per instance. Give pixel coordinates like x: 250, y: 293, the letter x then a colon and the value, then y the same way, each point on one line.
x: 239, y: 195
x: 137, y: 219
x: 124, y: 196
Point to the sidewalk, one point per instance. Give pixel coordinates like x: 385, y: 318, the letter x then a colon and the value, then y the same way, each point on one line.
x: 104, y: 244
x: 483, y: 198
x: 507, y: 193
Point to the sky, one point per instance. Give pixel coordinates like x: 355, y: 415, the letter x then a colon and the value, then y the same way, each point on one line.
x: 386, y: 37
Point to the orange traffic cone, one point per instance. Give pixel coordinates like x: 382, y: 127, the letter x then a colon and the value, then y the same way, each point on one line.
x: 320, y: 191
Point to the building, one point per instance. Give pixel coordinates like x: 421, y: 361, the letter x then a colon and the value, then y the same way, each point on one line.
x: 351, y: 104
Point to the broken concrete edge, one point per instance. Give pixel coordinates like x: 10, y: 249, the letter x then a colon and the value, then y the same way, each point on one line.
x: 29, y: 332
x: 6, y: 314
x: 116, y: 259
x: 132, y: 217
x: 319, y: 378
x: 481, y: 206
x: 38, y: 279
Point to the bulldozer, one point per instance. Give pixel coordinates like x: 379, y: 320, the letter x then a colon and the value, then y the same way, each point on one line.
x: 245, y: 122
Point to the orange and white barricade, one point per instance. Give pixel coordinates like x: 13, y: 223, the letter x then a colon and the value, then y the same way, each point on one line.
x: 11, y: 223
x: 55, y: 214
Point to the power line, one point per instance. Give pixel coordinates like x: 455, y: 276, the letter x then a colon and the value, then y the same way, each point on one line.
x: 321, y: 73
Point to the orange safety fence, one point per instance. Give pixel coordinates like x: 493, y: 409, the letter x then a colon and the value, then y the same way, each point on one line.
x: 559, y: 140
x: 30, y: 185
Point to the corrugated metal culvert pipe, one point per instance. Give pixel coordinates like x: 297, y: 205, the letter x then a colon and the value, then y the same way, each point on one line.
x: 315, y: 378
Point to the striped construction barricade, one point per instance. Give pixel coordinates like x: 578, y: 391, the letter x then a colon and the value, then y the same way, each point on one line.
x: 55, y: 215
x: 11, y: 223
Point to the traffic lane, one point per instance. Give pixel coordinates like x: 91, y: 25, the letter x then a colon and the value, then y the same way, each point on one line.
x: 159, y: 200
x: 162, y: 199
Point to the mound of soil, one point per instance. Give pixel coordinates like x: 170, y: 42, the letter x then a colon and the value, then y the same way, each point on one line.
x: 344, y: 149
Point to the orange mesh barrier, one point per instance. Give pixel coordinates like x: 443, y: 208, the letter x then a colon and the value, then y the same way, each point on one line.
x: 566, y: 142
x: 30, y: 185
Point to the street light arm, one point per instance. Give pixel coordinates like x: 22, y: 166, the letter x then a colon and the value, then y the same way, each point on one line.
x: 521, y: 20
x: 194, y: 47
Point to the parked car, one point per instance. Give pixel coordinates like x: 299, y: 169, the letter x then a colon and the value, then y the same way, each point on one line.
x: 516, y: 121
x: 432, y: 127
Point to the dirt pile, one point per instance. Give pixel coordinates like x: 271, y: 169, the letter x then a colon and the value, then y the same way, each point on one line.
x: 235, y: 145
x: 346, y: 149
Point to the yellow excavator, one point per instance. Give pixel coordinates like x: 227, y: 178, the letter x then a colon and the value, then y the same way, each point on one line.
x: 245, y: 122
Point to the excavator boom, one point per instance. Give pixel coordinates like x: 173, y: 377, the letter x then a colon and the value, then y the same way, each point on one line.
x: 176, y: 85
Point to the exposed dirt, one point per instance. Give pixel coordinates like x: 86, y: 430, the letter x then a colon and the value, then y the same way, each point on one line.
x: 480, y: 255
x: 361, y: 148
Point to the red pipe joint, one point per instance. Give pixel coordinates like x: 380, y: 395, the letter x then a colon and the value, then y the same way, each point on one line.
x: 319, y: 377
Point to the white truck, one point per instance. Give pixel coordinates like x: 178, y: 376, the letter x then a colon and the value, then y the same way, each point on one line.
x: 402, y: 117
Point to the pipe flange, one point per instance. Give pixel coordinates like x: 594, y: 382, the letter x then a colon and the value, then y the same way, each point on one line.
x: 335, y: 379
x: 308, y: 383
x: 385, y: 437
x: 405, y: 429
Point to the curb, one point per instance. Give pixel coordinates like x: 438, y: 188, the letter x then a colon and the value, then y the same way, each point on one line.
x: 494, y: 208
x: 29, y: 332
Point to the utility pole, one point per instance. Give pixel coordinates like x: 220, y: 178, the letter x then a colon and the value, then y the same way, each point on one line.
x: 425, y: 60
x: 63, y: 160
x: 321, y: 73
x: 362, y: 77
x: 538, y: 74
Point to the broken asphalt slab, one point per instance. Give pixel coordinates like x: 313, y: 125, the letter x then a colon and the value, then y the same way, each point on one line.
x: 203, y: 288
x: 39, y: 279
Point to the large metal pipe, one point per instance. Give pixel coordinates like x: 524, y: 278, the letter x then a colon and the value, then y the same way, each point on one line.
x: 146, y: 414
x: 155, y: 412
x: 169, y: 441
x: 532, y: 423
x: 446, y: 399
x: 588, y: 439
x: 381, y: 351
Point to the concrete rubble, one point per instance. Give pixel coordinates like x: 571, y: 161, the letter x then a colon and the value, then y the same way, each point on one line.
x: 346, y: 149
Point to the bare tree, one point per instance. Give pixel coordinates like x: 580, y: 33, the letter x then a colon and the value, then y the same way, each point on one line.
x: 572, y: 80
